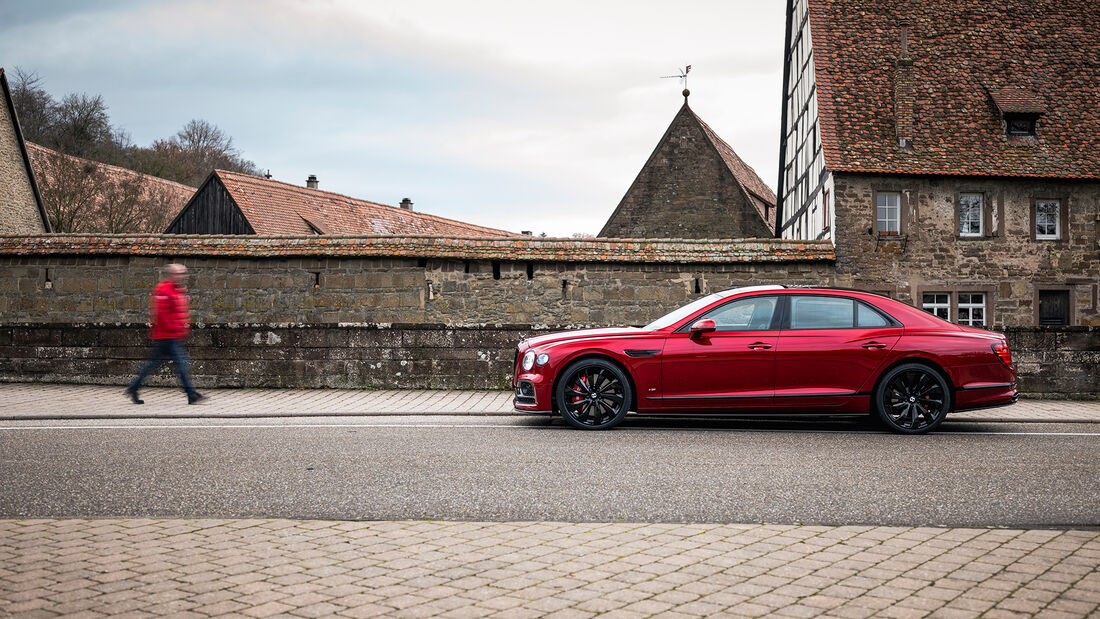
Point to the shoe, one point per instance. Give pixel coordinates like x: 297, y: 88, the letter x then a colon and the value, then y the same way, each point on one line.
x: 194, y: 398
x: 134, y: 396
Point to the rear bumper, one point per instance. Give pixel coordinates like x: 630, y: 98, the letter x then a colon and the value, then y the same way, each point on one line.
x: 986, y: 396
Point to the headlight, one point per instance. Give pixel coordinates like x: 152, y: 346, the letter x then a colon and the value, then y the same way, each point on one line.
x: 542, y: 359
x: 528, y: 360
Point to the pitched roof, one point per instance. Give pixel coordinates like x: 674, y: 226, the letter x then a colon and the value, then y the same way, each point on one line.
x: 758, y: 191
x: 679, y: 251
x: 967, y: 61
x: 153, y: 192
x: 274, y: 207
x: 5, y: 93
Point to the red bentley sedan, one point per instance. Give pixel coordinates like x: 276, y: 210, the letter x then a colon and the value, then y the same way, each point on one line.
x: 770, y: 349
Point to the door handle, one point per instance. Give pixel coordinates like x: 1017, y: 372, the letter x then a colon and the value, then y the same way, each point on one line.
x: 760, y: 346
x: 874, y: 346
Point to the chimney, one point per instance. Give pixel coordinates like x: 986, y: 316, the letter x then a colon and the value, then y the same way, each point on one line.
x: 311, y: 182
x: 406, y: 204
x: 903, y: 94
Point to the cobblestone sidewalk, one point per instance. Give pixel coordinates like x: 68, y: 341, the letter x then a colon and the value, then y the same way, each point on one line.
x: 29, y: 401
x: 260, y: 568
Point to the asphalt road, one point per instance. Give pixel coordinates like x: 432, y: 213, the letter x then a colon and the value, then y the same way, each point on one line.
x: 522, y: 468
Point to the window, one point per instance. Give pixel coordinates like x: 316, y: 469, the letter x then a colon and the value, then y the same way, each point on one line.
x: 819, y: 312
x: 1048, y: 219
x: 867, y: 317
x: 825, y: 209
x: 1053, y: 307
x: 1019, y: 126
x: 971, y: 215
x: 889, y: 212
x: 938, y: 304
x: 972, y: 309
x: 752, y: 314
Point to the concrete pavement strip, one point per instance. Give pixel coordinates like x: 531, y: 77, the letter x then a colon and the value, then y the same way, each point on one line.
x: 261, y: 568
x: 39, y: 401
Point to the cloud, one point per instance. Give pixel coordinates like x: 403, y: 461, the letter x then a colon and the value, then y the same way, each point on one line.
x: 521, y: 115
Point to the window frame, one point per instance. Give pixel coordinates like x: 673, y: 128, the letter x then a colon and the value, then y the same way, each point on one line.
x: 953, y: 291
x: 985, y: 221
x: 1061, y: 222
x: 1032, y: 121
x: 947, y: 293
x: 787, y: 300
x: 971, y: 306
x: 901, y: 213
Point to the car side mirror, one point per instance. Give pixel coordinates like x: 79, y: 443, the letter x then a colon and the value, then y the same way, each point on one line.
x: 701, y: 327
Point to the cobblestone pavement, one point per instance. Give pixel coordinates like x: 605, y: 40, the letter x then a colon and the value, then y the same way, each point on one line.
x: 21, y: 400
x: 261, y: 568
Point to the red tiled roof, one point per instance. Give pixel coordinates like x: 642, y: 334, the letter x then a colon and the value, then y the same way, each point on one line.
x: 274, y: 207
x: 155, y: 192
x: 459, y: 248
x: 757, y: 190
x: 960, y: 55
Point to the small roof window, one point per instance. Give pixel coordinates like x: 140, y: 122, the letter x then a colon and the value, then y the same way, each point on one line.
x: 1020, y: 109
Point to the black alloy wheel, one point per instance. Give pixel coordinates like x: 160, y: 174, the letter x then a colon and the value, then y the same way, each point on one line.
x: 912, y: 399
x: 593, y: 394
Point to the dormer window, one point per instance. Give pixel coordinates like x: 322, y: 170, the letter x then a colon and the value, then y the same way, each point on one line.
x: 1020, y: 110
x: 1020, y: 126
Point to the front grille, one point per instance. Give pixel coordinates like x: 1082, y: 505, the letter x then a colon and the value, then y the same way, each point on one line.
x: 525, y: 393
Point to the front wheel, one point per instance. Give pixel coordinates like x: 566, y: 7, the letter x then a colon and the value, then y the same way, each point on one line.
x: 912, y: 399
x: 593, y: 394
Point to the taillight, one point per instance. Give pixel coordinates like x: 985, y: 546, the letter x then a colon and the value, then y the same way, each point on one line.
x: 1001, y: 350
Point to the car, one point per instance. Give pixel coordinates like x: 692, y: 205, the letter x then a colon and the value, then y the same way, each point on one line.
x: 770, y: 349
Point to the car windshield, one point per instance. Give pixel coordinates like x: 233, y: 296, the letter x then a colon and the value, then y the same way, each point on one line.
x: 677, y: 315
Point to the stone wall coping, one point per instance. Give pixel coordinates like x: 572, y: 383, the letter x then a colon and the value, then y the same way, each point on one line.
x: 684, y: 251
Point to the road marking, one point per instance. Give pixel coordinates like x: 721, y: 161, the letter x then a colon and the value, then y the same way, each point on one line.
x: 513, y: 426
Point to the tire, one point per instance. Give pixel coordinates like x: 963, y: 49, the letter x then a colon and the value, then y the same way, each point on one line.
x: 912, y: 399
x: 593, y: 394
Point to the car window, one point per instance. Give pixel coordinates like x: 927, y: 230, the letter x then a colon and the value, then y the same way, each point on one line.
x: 751, y: 314
x: 819, y: 312
x: 867, y: 317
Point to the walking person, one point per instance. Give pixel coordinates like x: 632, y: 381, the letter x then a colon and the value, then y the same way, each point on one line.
x: 171, y: 320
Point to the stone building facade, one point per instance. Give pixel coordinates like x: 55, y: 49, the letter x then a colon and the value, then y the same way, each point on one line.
x: 693, y: 186
x: 952, y: 158
x: 21, y: 209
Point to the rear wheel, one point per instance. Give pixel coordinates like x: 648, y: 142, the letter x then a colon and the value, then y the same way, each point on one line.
x: 593, y: 394
x: 912, y: 399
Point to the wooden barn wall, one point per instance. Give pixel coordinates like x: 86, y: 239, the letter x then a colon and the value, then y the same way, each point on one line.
x: 211, y: 211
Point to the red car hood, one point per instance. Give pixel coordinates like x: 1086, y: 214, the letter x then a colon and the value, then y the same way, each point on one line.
x: 581, y: 334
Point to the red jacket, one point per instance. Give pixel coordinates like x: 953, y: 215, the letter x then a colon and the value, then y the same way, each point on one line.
x: 170, y: 313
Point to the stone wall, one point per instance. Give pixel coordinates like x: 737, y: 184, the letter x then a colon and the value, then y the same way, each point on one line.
x: 19, y: 212
x: 328, y: 281
x: 1006, y: 264
x: 1053, y: 362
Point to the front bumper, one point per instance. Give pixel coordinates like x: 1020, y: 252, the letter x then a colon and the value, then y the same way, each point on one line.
x: 531, y: 393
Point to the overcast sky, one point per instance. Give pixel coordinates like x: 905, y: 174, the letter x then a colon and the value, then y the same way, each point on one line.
x: 513, y: 114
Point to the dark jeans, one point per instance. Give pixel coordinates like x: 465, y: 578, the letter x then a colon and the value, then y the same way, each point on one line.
x: 159, y: 352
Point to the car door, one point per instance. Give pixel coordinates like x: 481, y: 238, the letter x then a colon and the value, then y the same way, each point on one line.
x: 829, y: 349
x: 733, y: 367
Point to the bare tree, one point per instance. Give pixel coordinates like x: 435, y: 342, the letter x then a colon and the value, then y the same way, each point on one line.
x: 34, y: 106
x: 85, y: 196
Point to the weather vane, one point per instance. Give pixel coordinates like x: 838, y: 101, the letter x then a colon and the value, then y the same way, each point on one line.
x: 683, y: 76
